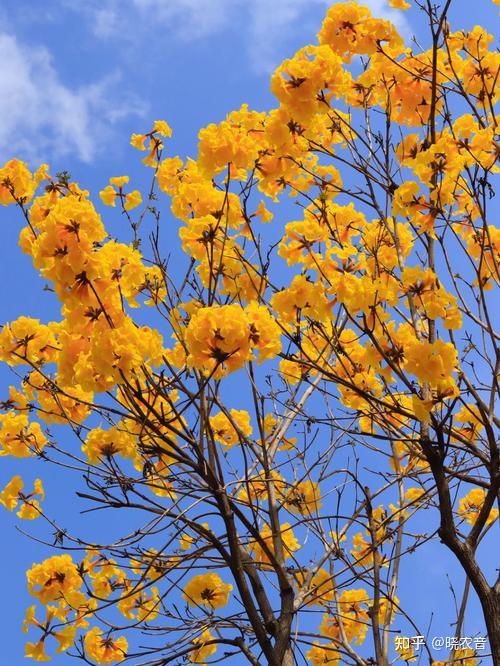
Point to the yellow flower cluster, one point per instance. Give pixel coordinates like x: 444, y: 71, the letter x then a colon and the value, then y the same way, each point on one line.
x: 260, y: 548
x: 55, y: 578
x: 105, y: 649
x: 220, y: 339
x: 353, y: 608
x: 229, y: 429
x: 316, y: 589
x: 470, y: 506
x: 207, y: 590
x: 12, y: 495
x: 101, y: 444
x: 17, y: 184
x: 205, y: 646
x: 115, y: 189
x: 393, y: 363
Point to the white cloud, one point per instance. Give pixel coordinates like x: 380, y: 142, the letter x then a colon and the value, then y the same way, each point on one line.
x: 190, y: 18
x: 263, y: 26
x: 269, y: 30
x: 45, y: 118
x: 41, y: 116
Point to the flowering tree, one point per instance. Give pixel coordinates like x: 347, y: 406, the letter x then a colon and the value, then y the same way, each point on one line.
x: 274, y: 409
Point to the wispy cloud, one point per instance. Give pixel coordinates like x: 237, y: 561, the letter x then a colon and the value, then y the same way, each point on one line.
x: 42, y: 116
x: 263, y: 26
x: 45, y: 116
x: 191, y: 19
x: 272, y: 25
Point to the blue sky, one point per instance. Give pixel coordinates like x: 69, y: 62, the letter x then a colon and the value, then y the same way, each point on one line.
x: 77, y: 78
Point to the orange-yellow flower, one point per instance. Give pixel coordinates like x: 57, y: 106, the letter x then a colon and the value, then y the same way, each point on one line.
x: 203, y: 648
x: 162, y: 128
x: 36, y: 651
x: 290, y: 543
x: 105, y: 650
x: 16, y: 183
x: 137, y: 141
x: 353, y: 613
x: 108, y: 195
x: 303, y: 498
x: 54, y: 578
x: 132, y: 200
x: 470, y: 506
x: 226, y: 430
x: 320, y: 589
x: 323, y: 654
x: 12, y: 494
x: 208, y: 590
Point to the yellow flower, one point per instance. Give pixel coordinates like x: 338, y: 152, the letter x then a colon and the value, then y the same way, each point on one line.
x: 12, y: 495
x: 108, y: 577
x: 407, y: 654
x: 139, y: 606
x: 362, y: 552
x: 432, y: 362
x: 470, y: 506
x: 186, y: 541
x: 225, y: 432
x: 218, y: 339
x: 256, y: 487
x: 36, y: 651
x: 320, y: 589
x: 137, y: 140
x: 104, y: 650
x: 413, y: 495
x: 349, y: 29
x: 30, y: 619
x: 353, y: 613
x: 201, y: 650
x: 302, y: 297
x: 303, y: 498
x: 102, y: 444
x: 65, y: 637
x: 290, y: 543
x: 168, y: 174
x: 54, y: 578
x: 207, y: 589
x: 108, y: 195
x: 323, y: 654
x: 399, y: 4
x: 119, y: 181
x: 472, y: 424
x: 9, y: 496
x: 26, y: 339
x: 264, y: 331
x: 16, y: 183
x: 461, y: 657
x: 421, y: 408
x: 264, y: 214
x: 132, y: 200
x: 162, y: 128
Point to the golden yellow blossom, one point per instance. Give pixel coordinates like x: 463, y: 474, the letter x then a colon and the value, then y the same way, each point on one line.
x: 323, y: 654
x: 105, y: 649
x: 53, y: 579
x: 226, y: 429
x: 259, y: 551
x: 207, y: 589
x: 470, y: 506
x: 303, y: 498
x: 12, y: 494
x: 203, y: 647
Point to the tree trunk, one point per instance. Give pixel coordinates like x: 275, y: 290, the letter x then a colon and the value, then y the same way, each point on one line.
x: 288, y: 659
x: 491, y: 610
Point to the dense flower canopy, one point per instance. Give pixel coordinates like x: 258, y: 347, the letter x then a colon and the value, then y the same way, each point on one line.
x: 367, y: 302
